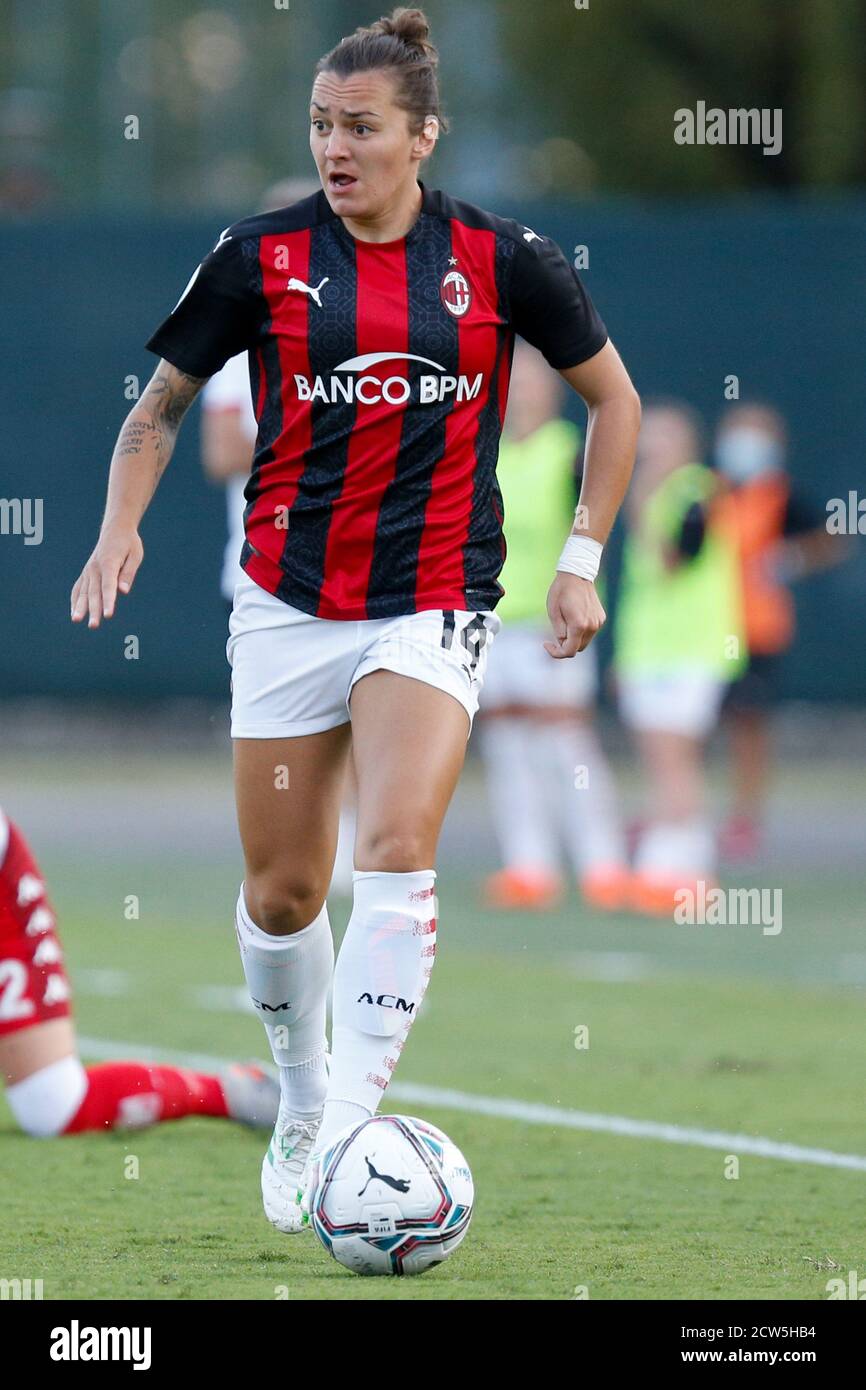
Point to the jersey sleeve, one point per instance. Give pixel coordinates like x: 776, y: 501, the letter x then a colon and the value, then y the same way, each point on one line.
x: 550, y: 307
x: 215, y: 317
x: 229, y: 388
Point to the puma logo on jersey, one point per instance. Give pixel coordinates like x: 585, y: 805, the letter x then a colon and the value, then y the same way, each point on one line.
x: 223, y: 239
x: 308, y: 289
x: 530, y: 235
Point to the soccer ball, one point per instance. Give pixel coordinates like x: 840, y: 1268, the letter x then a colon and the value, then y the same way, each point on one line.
x: 394, y: 1196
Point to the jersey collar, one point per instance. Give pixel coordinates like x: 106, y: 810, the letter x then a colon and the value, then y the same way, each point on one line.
x: 429, y: 199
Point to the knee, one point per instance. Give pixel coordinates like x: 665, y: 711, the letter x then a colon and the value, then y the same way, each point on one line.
x: 280, y: 905
x: 389, y: 850
x: 45, y: 1102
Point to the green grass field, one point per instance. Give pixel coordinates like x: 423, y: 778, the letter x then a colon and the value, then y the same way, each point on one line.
x: 705, y: 1027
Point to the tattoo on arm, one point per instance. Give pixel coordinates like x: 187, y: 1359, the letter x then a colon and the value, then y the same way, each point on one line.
x: 169, y: 395
x: 153, y: 425
x: 135, y: 434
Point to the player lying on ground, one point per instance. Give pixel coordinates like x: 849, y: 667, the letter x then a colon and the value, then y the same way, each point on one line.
x: 48, y: 1089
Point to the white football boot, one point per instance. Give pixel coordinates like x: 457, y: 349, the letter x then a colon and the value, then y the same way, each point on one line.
x: 284, y: 1171
x: 285, y: 1166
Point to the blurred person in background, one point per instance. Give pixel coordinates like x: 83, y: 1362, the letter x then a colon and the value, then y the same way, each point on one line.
x: 228, y: 436
x: 548, y: 779
x: 49, y: 1091
x: 28, y: 152
x: 779, y: 537
x: 678, y: 643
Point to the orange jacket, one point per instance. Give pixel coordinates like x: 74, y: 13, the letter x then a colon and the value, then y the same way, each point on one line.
x: 753, y: 515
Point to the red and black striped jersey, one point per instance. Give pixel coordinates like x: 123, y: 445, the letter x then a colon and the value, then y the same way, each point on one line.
x: 379, y: 375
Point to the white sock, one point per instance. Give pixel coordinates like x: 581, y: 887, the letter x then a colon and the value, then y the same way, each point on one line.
x: 340, y: 1114
x: 387, y: 953
x: 518, y: 810
x: 288, y: 978
x: 587, y: 812
x: 303, y: 1087
x: 671, y: 848
x: 45, y: 1102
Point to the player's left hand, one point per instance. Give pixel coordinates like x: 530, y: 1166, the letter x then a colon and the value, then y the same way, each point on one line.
x: 575, y: 613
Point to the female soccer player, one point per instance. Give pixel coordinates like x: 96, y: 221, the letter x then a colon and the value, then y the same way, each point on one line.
x: 380, y: 318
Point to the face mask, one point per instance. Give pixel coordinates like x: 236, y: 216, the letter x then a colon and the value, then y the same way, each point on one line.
x: 745, y: 453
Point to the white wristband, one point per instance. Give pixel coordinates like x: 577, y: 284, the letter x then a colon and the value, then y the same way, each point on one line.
x: 581, y: 555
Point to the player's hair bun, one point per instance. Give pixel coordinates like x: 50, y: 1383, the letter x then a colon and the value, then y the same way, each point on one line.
x: 410, y: 27
x: 400, y: 44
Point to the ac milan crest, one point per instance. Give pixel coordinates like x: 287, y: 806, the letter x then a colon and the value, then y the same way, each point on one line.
x: 455, y: 293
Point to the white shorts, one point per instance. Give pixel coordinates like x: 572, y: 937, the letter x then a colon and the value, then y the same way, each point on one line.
x: 521, y: 672
x: 292, y: 673
x: 685, y: 702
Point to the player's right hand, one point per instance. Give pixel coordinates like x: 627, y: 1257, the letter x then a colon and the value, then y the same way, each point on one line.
x: 112, y: 566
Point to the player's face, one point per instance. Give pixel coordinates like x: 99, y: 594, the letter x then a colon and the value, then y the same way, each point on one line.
x: 665, y: 442
x: 361, y: 143
x: 750, y: 443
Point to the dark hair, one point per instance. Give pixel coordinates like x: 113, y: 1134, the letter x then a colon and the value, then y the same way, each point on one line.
x: 771, y: 413
x: 398, y: 41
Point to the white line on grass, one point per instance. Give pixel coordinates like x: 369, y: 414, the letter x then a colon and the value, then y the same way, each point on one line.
x: 610, y: 967
x: 226, y: 999
x: 526, y: 1112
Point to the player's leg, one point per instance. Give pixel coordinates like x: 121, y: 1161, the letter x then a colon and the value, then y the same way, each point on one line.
x: 45, y: 1081
x: 579, y: 787
x: 677, y: 847
x: 521, y: 819
x: 49, y: 1091
x: 547, y: 772
x: 748, y: 706
x: 409, y: 747
x: 288, y: 795
x: 750, y: 760
x: 577, y: 779
x: 671, y: 717
x: 290, y: 725
x: 519, y: 811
